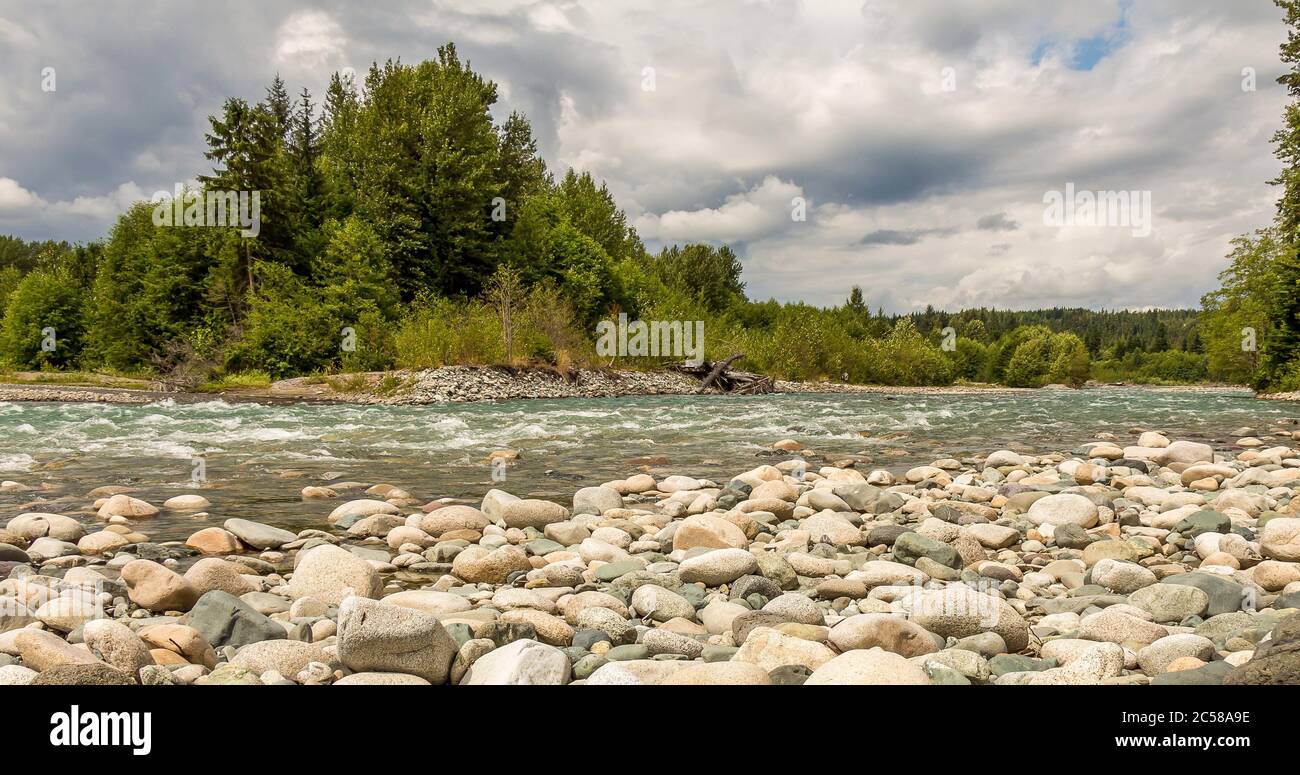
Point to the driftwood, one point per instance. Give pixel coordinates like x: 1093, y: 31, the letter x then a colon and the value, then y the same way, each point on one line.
x: 719, y: 374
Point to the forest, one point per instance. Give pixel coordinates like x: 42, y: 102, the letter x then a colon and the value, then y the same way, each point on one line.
x: 1250, y: 324
x: 402, y: 226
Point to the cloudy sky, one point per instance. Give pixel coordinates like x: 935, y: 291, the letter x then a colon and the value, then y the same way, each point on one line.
x: 923, y: 136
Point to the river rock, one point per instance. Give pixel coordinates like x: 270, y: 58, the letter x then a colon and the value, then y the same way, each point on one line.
x: 909, y: 547
x: 68, y: 612
x: 887, y: 631
x: 662, y: 641
x: 286, y: 657
x: 1003, y: 457
x: 1122, y: 577
x: 258, y: 535
x: 125, y: 506
x: 718, y: 616
x: 659, y: 604
x: 1170, y: 603
x: 862, y: 667
x: 17, y: 675
x: 958, y: 612
x: 41, y: 650
x: 994, y: 536
x: 182, y: 640
x: 596, y: 500
x: 359, y: 508
x: 717, y: 567
x: 46, y: 548
x: 212, y: 573
x: 102, y: 542
x: 1115, y: 626
x: 97, y: 674
x: 452, y: 518
x: 1274, y: 576
x: 494, y: 500
x: 794, y: 607
x: 1063, y: 508
x: 214, y: 540
x: 879, y: 573
x: 225, y: 620
x: 530, y: 512
x: 1187, y: 452
x: 331, y: 574
x: 710, y: 532
x: 1276, y: 661
x: 719, y: 674
x: 522, y: 662
x: 430, y: 601
x: 381, y: 679
x: 117, y: 645
x: 636, y: 672
x: 1225, y: 595
x: 34, y: 525
x: 482, y: 566
x: 770, y: 648
x: 1281, y: 540
x: 378, y: 637
x: 187, y: 503
x: 833, y: 528
x: 1156, y: 658
x: 157, y: 588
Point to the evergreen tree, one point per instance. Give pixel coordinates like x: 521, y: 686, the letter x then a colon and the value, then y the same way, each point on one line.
x: 248, y: 147
x: 308, y: 182
x: 1283, y: 343
x: 280, y: 106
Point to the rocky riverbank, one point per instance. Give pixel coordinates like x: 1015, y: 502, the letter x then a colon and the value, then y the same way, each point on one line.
x: 1135, y: 561
x: 454, y: 384
x: 1291, y: 396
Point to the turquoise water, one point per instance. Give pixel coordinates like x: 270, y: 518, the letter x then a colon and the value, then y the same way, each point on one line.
x: 257, y: 458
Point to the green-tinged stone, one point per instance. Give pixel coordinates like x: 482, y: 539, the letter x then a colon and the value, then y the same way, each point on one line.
x: 942, y: 675
x: 1015, y: 663
x: 587, y: 665
x: 543, y: 546
x: 714, y: 653
x: 616, y: 569
x: 1204, y: 521
x: 1226, y: 595
x: 1208, y: 675
x: 909, y: 547
x: 628, y: 652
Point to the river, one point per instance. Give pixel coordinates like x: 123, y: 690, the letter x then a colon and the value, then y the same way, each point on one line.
x: 256, y: 458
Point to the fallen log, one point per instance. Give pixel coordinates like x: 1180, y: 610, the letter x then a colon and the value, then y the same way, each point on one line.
x: 719, y: 374
x: 718, y: 370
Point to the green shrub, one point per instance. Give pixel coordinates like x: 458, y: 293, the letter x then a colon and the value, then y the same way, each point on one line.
x: 44, y: 326
x: 442, y: 332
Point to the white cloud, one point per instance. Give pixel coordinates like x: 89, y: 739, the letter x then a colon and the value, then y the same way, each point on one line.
x: 309, y: 39
x: 14, y: 197
x: 14, y: 34
x: 762, y: 211
x: 21, y: 207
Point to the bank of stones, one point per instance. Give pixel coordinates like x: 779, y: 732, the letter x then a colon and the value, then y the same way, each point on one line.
x: 1145, y: 560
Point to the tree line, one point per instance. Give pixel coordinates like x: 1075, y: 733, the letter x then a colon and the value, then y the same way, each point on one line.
x: 403, y: 226
x: 1251, y: 322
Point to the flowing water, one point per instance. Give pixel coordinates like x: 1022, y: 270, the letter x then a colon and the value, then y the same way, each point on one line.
x: 256, y: 458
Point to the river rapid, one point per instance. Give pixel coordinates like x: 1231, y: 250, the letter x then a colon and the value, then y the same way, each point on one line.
x: 255, y: 459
